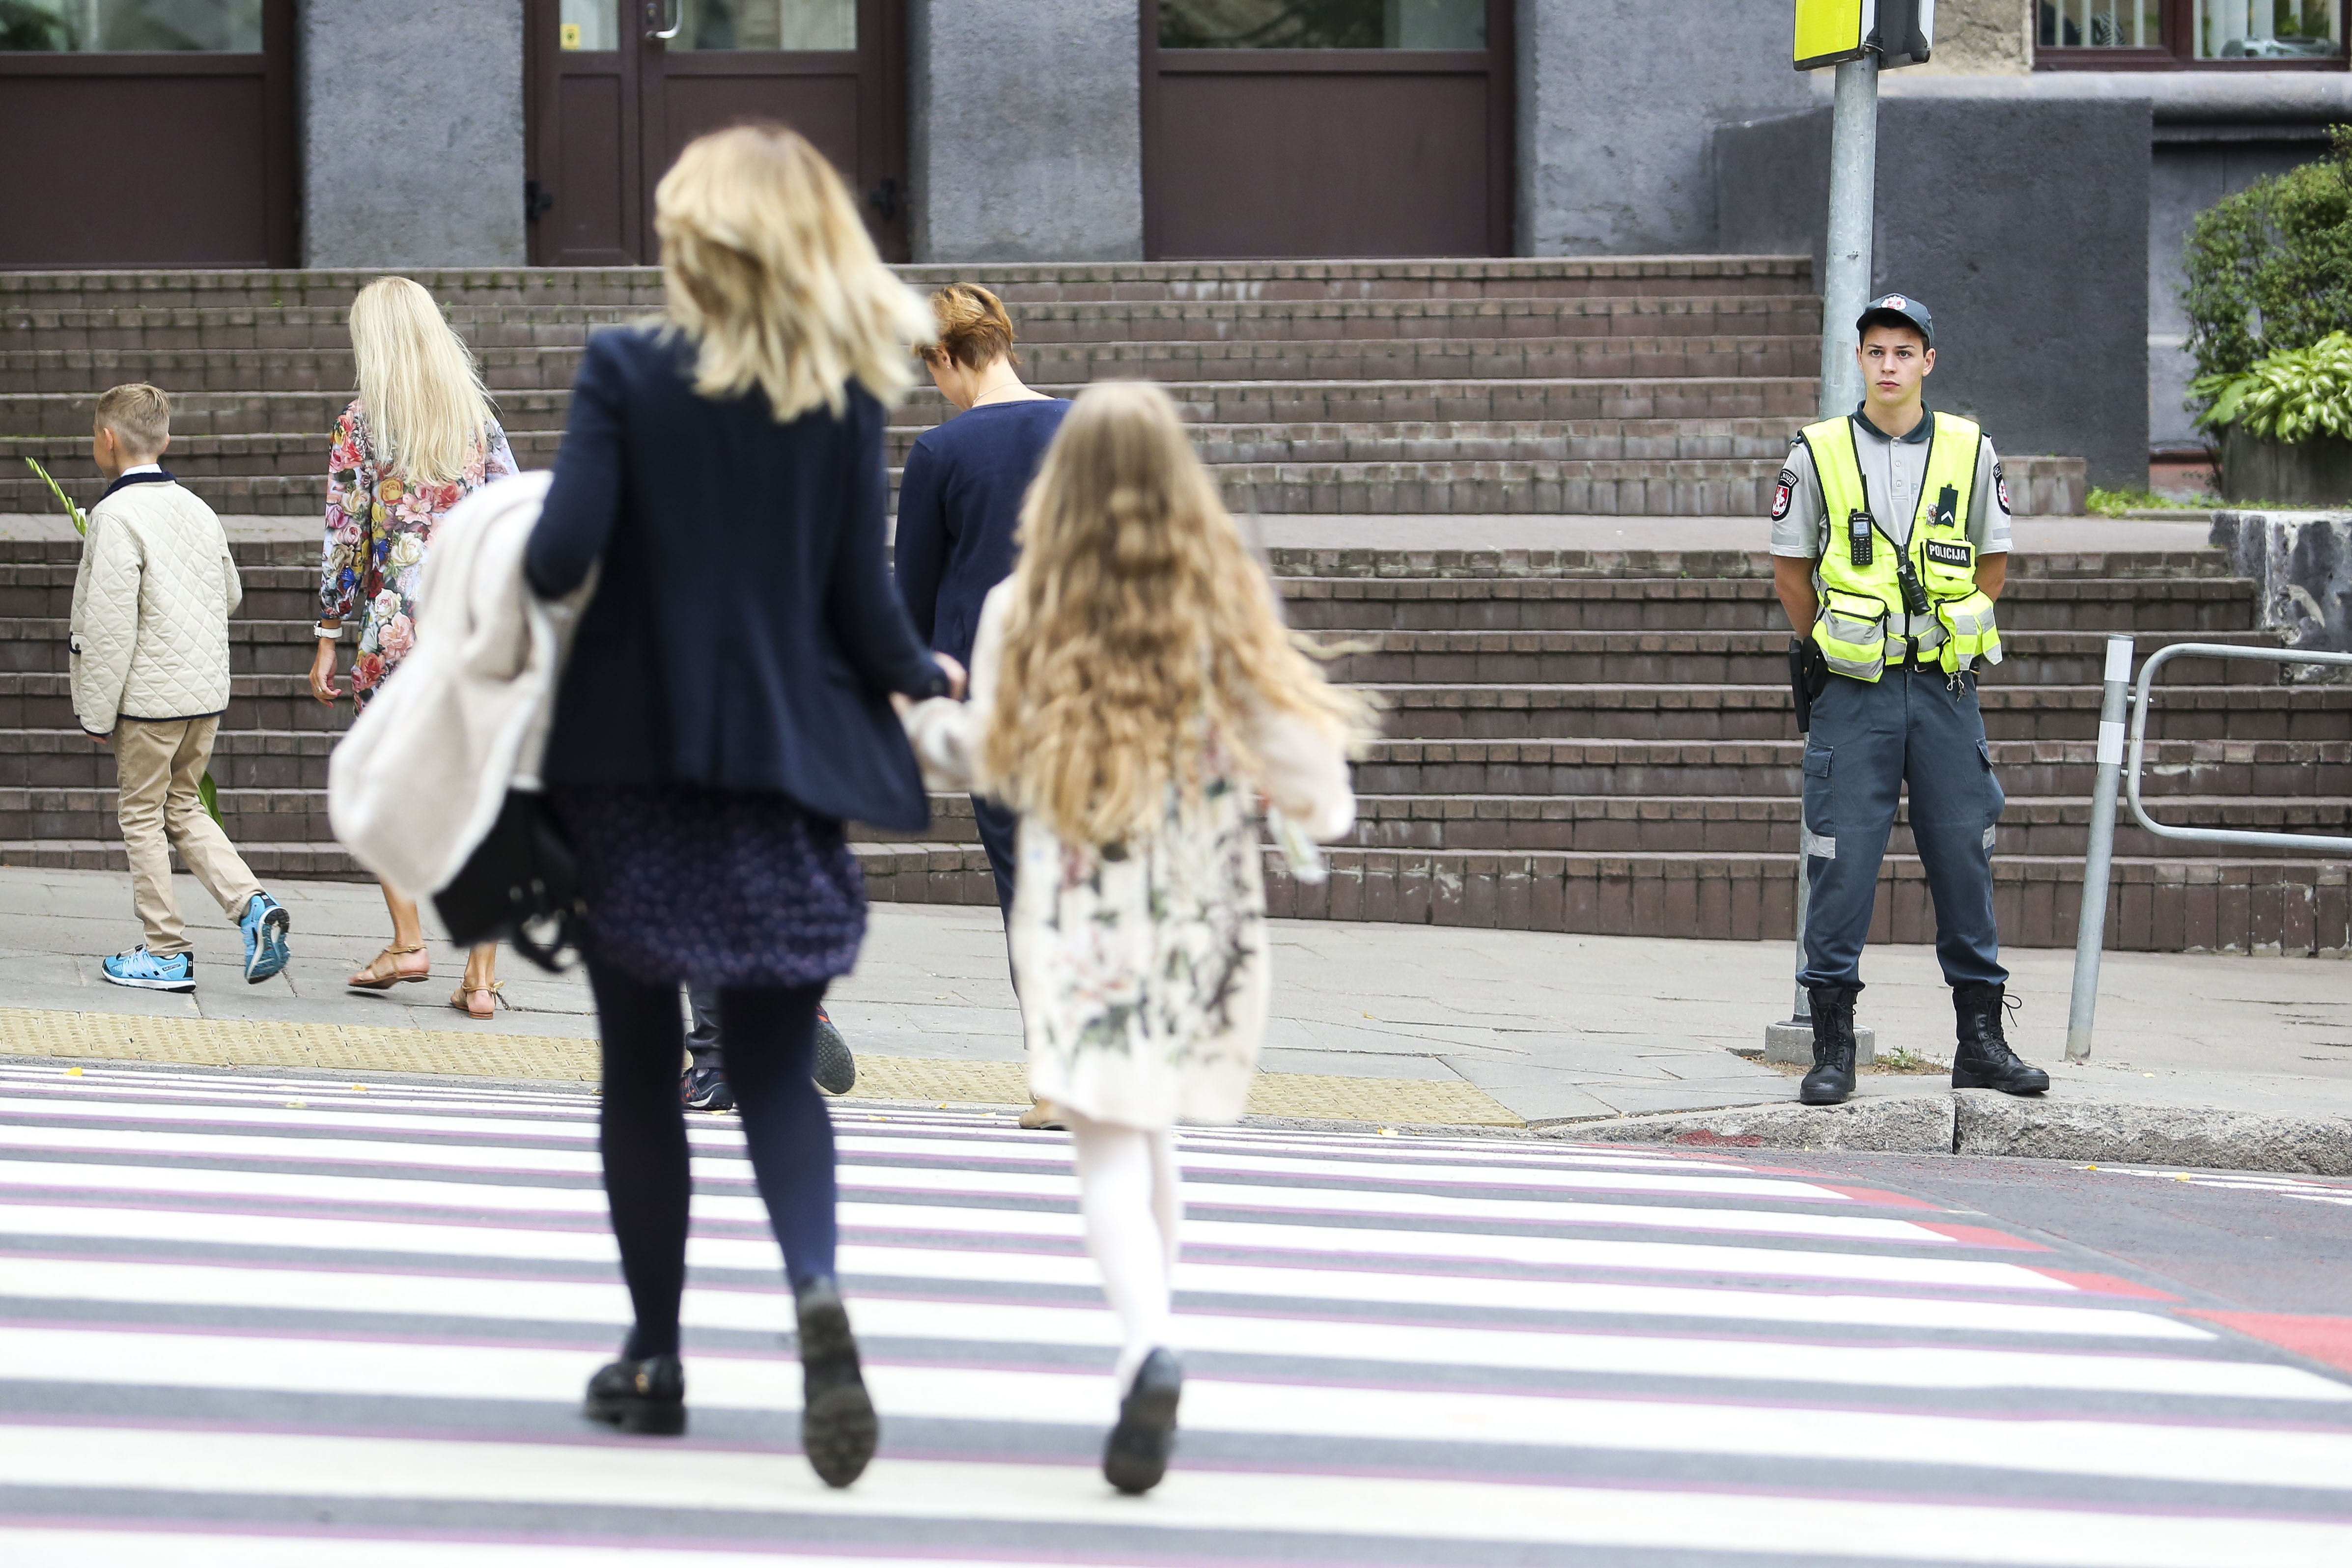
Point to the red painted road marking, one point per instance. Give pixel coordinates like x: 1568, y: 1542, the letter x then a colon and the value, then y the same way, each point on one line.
x: 2105, y: 1284
x: 2327, y: 1340
x: 1983, y: 1235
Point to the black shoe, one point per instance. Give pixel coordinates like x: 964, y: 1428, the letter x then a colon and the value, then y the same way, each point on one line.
x: 1831, y: 1080
x: 647, y: 1396
x: 1984, y: 1060
x: 836, y: 1069
x: 704, y: 1087
x: 839, y: 1427
x: 1136, y: 1455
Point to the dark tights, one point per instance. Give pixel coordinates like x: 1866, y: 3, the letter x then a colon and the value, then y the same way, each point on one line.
x: 771, y: 1034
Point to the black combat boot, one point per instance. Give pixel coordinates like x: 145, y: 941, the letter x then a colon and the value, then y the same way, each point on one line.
x: 1832, y: 1079
x: 1984, y: 1060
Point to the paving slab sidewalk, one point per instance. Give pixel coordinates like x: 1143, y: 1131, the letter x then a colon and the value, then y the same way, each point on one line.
x: 1576, y: 1036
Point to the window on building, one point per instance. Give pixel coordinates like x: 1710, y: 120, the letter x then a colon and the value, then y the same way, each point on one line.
x: 2110, y: 35
x: 131, y: 26
x: 766, y: 24
x: 1322, y: 24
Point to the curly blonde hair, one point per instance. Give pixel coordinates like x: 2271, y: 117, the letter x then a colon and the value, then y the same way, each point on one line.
x: 767, y: 268
x: 1140, y: 633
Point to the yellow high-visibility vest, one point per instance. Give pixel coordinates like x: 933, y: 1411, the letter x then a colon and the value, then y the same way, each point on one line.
x: 1858, y: 599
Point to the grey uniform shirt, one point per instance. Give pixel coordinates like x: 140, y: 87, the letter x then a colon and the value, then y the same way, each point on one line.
x: 1893, y: 471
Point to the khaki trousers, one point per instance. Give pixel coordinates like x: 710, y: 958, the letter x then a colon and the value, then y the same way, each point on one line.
x: 157, y: 765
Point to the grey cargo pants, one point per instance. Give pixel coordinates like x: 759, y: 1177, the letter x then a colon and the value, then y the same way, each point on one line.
x: 1868, y: 741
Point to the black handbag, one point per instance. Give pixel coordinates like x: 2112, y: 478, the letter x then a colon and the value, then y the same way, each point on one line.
x: 520, y: 886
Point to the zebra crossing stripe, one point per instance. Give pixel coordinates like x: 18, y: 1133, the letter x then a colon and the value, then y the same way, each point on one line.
x: 229, y: 1307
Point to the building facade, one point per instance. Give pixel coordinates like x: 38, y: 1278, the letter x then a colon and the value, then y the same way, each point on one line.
x: 2043, y: 169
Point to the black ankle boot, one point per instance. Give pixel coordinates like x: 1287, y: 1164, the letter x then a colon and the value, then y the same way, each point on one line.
x: 1984, y: 1060
x: 839, y: 1427
x: 647, y: 1396
x: 1831, y: 1080
x: 1136, y: 1456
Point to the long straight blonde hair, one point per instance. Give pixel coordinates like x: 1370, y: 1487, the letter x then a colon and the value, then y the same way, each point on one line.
x: 1142, y: 631
x: 767, y: 268
x: 427, y: 413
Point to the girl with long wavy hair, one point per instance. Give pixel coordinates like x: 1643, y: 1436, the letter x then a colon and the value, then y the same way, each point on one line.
x: 419, y: 438
x: 1134, y: 693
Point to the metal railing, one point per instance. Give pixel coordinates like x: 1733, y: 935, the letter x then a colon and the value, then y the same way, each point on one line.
x: 2091, y: 934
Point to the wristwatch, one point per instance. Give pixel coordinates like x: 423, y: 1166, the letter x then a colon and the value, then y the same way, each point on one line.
x: 327, y: 632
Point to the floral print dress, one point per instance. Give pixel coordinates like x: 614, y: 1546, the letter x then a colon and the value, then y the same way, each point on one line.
x: 378, y: 528
x: 1143, y: 967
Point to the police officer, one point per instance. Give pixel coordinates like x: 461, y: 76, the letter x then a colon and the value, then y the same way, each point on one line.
x: 1890, y: 539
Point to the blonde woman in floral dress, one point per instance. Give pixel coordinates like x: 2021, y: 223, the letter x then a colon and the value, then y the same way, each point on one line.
x: 1133, y: 694
x: 417, y: 440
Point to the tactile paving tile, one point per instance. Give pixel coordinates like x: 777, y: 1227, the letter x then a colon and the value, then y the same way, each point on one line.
x: 341, y: 1048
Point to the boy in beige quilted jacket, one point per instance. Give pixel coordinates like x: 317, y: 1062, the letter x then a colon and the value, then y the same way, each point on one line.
x: 150, y: 641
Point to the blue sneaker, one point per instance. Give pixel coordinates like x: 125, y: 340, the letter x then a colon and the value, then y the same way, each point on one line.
x: 265, y: 924
x: 143, y: 970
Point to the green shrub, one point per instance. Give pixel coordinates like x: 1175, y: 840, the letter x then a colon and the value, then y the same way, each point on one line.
x: 2289, y: 395
x: 2271, y: 266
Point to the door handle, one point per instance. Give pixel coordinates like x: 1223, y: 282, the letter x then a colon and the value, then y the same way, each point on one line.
x: 536, y: 199
x: 883, y: 199
x: 671, y: 11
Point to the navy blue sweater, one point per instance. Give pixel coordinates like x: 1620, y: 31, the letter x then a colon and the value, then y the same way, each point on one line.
x: 743, y: 635
x: 958, y: 504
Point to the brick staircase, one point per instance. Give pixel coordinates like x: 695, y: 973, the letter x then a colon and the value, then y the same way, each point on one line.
x: 1621, y: 386
x: 1575, y: 742
x: 1578, y: 742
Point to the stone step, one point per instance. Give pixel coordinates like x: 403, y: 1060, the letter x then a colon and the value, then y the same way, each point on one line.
x: 1346, y: 606
x: 1681, y: 565
x: 1585, y: 825
x: 1502, y: 660
x: 40, y: 701
x: 2298, y: 770
x: 1736, y: 713
x: 1732, y: 770
x: 640, y: 287
x: 1389, y: 359
x: 1736, y: 658
x: 497, y: 326
x: 1409, y: 441
x: 253, y: 412
x: 2266, y: 906
x: 2206, y: 609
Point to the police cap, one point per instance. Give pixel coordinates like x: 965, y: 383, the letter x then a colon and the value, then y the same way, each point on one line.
x: 1905, y: 309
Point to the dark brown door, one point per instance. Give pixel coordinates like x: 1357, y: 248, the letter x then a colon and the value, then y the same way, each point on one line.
x: 1275, y: 127
x: 186, y: 111
x: 617, y: 86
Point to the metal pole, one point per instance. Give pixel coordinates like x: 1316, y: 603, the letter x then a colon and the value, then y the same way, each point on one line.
x: 1845, y: 282
x: 1845, y: 285
x: 2091, y: 933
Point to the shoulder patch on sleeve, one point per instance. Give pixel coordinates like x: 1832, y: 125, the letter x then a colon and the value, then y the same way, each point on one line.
x: 1784, y: 493
x: 2001, y: 489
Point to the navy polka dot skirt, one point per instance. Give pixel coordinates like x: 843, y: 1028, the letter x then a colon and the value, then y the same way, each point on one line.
x: 713, y: 888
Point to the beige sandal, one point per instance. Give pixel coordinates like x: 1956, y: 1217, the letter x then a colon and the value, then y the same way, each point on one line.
x: 463, y: 999
x: 370, y: 979
x: 1043, y: 1115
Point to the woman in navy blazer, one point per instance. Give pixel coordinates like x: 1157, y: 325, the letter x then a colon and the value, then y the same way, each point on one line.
x: 726, y: 706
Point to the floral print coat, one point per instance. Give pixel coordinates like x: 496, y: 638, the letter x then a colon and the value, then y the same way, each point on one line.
x: 1142, y: 966
x: 378, y: 528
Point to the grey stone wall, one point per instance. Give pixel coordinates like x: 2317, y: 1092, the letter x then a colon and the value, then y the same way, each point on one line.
x: 412, y: 137
x: 1616, y: 102
x: 1026, y: 133
x: 2036, y: 274
x: 2301, y: 564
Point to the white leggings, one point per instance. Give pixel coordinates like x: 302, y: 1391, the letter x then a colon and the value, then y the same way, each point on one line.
x: 1128, y: 1196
